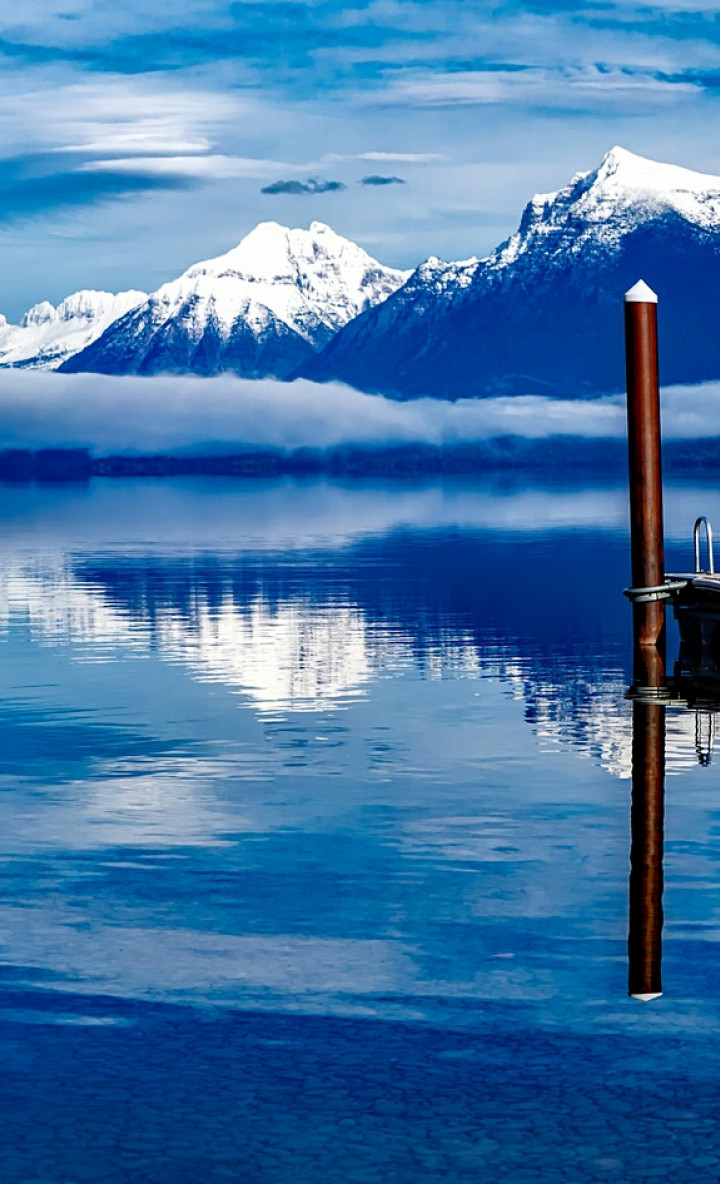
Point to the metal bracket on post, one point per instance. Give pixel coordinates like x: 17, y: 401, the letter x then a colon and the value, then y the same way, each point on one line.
x: 664, y: 591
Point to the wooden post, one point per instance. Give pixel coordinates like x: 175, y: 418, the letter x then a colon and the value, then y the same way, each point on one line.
x: 646, y: 510
x: 647, y: 829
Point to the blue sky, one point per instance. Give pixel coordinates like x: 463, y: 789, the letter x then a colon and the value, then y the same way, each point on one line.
x: 139, y: 137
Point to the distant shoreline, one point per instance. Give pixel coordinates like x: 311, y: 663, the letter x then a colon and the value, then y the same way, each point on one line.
x: 506, y: 454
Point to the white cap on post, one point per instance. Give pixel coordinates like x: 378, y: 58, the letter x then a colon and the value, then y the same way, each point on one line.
x: 641, y: 293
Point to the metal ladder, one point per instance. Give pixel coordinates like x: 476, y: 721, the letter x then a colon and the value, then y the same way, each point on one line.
x: 710, y: 570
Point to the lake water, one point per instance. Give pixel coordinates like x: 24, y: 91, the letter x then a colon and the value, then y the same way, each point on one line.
x: 314, y: 840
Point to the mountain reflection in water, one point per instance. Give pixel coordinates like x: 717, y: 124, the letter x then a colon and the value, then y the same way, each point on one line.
x: 303, y: 875
x: 516, y: 586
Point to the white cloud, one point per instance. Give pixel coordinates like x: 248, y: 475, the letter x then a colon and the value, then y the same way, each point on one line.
x: 566, y: 87
x: 214, y: 166
x: 85, y: 23
x: 391, y: 157
x: 665, y: 7
x: 118, y: 116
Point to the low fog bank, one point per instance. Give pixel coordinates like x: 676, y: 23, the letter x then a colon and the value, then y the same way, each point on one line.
x: 226, y: 415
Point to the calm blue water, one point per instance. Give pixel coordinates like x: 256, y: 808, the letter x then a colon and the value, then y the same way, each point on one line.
x: 314, y: 832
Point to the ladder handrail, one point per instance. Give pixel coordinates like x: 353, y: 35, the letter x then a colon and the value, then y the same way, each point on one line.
x: 696, y: 542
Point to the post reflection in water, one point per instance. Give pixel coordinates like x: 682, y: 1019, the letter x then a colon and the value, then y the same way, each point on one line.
x: 693, y: 688
x: 647, y: 827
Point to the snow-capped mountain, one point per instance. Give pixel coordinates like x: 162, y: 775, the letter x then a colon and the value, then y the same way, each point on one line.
x: 543, y: 312
x: 46, y: 336
x: 264, y: 308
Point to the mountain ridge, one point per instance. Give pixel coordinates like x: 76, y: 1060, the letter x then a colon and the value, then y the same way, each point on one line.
x: 541, y: 313
x: 47, y: 335
x: 538, y: 314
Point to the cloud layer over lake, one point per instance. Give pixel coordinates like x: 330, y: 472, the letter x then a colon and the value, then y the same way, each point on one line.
x: 226, y: 414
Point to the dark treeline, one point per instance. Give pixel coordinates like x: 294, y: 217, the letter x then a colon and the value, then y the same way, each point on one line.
x: 558, y: 453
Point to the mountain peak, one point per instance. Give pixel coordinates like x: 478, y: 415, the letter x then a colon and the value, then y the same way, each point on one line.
x: 606, y: 204
x: 89, y: 304
x: 39, y: 314
x: 276, y: 254
x: 261, y: 308
x: 624, y: 181
x: 630, y: 171
x: 86, y: 305
x: 620, y: 158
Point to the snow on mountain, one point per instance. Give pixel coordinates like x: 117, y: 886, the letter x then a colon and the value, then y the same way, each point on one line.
x: 263, y: 308
x: 543, y: 313
x: 600, y: 208
x: 46, y: 336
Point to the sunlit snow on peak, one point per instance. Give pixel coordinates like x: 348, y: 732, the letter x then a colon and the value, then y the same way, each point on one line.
x: 599, y: 208
x: 312, y: 280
